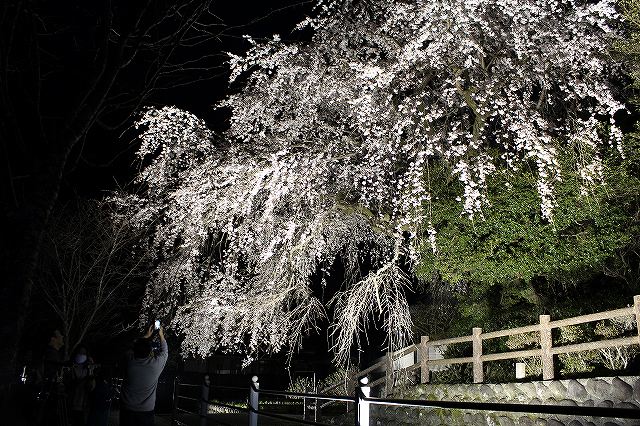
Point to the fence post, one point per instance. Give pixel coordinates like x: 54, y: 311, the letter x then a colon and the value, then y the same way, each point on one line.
x: 204, y: 401
x: 636, y: 310
x: 176, y: 384
x: 424, y: 359
x: 318, y: 405
x: 362, y: 405
x: 316, y: 390
x: 478, y: 371
x: 388, y: 371
x: 304, y: 404
x: 546, y: 343
x: 253, y: 401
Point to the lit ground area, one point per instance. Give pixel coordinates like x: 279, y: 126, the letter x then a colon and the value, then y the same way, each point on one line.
x: 220, y: 419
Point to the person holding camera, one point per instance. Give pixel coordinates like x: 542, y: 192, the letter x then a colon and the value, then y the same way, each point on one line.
x: 138, y: 395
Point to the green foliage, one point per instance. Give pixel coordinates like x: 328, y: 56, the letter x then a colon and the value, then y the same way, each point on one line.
x: 512, y: 265
x: 341, y: 375
x: 617, y: 358
x: 432, y: 314
x: 502, y: 371
x: 301, y: 384
x: 514, y: 243
x: 533, y: 364
x: 454, y: 373
x: 509, y: 266
x: 577, y: 362
x: 613, y: 359
x: 304, y: 384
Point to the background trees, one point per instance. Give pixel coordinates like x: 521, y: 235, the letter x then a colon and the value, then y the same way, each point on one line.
x: 512, y: 266
x: 65, y: 70
x: 343, y: 147
x: 91, y: 270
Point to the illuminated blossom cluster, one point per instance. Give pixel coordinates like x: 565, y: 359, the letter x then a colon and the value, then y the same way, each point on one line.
x: 328, y: 150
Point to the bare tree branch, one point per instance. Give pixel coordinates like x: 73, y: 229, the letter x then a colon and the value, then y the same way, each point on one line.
x: 91, y: 253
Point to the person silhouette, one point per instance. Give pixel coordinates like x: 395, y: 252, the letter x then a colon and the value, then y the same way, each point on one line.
x: 80, y: 384
x: 138, y: 396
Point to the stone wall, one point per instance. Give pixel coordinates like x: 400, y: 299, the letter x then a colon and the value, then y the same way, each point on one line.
x: 622, y: 392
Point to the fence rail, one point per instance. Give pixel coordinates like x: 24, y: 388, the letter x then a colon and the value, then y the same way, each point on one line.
x: 546, y: 350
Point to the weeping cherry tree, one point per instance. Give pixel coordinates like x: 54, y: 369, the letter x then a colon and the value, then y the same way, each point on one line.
x: 327, y: 157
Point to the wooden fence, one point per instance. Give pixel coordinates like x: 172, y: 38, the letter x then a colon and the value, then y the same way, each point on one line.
x: 546, y: 351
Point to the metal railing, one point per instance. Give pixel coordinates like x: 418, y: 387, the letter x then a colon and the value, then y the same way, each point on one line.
x: 363, y: 401
x: 252, y: 408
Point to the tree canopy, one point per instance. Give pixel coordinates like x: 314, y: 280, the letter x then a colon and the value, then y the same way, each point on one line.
x: 352, y: 145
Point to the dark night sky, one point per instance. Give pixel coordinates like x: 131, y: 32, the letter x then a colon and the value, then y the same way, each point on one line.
x: 108, y: 161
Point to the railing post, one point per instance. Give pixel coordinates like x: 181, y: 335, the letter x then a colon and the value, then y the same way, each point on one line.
x: 176, y: 384
x: 253, y: 401
x: 304, y: 404
x: 636, y: 310
x: 204, y: 401
x: 316, y: 390
x: 546, y: 343
x: 362, y: 405
x: 388, y: 374
x: 478, y: 371
x: 318, y: 405
x: 424, y: 359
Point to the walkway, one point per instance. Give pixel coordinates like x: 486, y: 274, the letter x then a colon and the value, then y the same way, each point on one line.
x: 214, y: 420
x: 161, y: 419
x: 229, y: 419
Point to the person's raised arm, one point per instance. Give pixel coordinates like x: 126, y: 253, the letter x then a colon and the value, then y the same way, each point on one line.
x: 161, y: 334
x: 164, y: 348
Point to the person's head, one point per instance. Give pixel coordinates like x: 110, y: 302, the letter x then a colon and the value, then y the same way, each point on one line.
x: 56, y: 339
x: 80, y: 355
x: 142, y: 348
